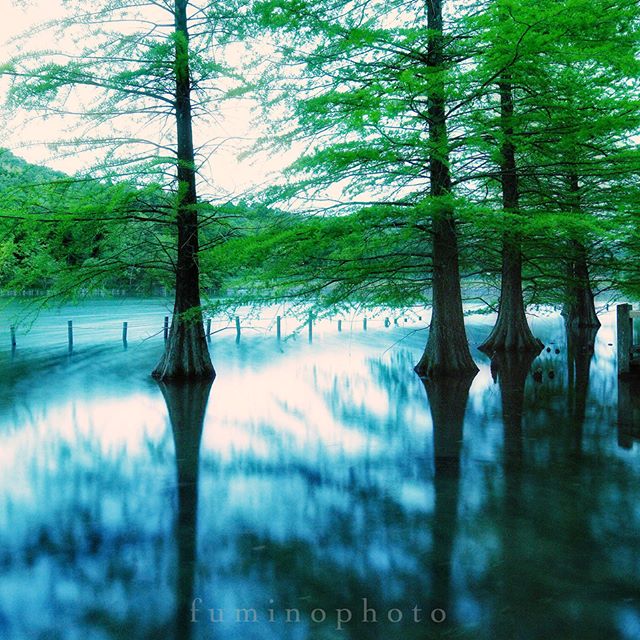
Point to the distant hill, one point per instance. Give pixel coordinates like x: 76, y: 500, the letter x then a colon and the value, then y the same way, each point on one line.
x: 14, y: 169
x: 57, y: 230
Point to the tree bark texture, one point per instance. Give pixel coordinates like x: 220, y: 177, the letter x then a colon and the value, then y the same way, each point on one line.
x: 186, y: 355
x: 511, y: 331
x: 447, y: 350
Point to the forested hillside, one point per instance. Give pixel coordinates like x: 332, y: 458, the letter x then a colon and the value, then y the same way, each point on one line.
x: 64, y: 236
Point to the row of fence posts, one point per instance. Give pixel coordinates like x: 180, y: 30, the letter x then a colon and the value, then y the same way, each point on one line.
x: 625, y: 347
x: 208, y: 332
x: 387, y: 323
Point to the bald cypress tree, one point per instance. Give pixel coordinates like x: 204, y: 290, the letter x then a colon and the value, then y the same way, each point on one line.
x: 133, y: 75
x: 366, y: 93
x: 555, y: 118
x: 447, y: 351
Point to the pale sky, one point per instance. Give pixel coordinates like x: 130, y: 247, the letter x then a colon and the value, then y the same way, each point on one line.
x: 22, y: 130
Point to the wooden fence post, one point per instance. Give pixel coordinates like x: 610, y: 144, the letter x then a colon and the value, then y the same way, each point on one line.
x: 70, y: 334
x: 166, y: 328
x: 364, y: 323
x: 339, y: 325
x: 278, y: 328
x: 13, y: 338
x: 237, y: 329
x: 624, y: 324
x: 628, y: 412
x: 125, y: 326
x: 310, y: 323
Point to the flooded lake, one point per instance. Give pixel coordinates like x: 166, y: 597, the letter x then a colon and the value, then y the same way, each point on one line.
x: 316, y: 490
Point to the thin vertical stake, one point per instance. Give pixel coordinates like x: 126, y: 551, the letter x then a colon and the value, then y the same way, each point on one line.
x: 166, y: 328
x: 237, y: 329
x: 310, y: 326
x: 13, y: 338
x: 624, y: 338
x: 70, y: 334
x: 125, y: 326
x: 278, y: 328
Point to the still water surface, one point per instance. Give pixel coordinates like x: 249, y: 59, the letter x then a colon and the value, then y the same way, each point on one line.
x: 310, y: 477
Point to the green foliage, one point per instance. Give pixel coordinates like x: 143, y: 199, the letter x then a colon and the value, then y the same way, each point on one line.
x: 353, y: 96
x: 114, y: 72
x: 348, y: 85
x: 61, y: 234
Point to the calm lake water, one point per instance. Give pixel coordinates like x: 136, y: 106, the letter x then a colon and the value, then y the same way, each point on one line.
x: 311, y: 482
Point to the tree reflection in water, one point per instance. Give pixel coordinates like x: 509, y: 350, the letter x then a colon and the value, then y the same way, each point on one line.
x: 580, y: 350
x: 187, y: 406
x: 448, y: 399
x: 507, y: 503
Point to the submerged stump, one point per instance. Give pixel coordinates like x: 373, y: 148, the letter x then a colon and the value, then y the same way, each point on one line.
x: 186, y: 355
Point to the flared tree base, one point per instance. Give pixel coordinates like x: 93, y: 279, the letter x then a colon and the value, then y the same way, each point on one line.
x: 448, y: 361
x: 512, y: 337
x: 579, y: 310
x: 186, y: 356
x: 581, y: 316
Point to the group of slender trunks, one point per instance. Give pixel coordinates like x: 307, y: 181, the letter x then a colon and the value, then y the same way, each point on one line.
x: 447, y: 353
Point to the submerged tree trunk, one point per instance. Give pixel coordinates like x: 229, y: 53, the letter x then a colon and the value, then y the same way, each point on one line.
x: 579, y: 307
x: 186, y: 355
x: 511, y: 331
x: 447, y: 351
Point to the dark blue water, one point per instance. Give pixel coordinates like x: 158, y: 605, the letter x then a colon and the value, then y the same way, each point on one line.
x: 312, y: 482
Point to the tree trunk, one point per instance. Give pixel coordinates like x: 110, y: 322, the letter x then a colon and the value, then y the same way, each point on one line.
x: 447, y: 350
x: 186, y: 355
x: 579, y: 307
x: 511, y: 331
